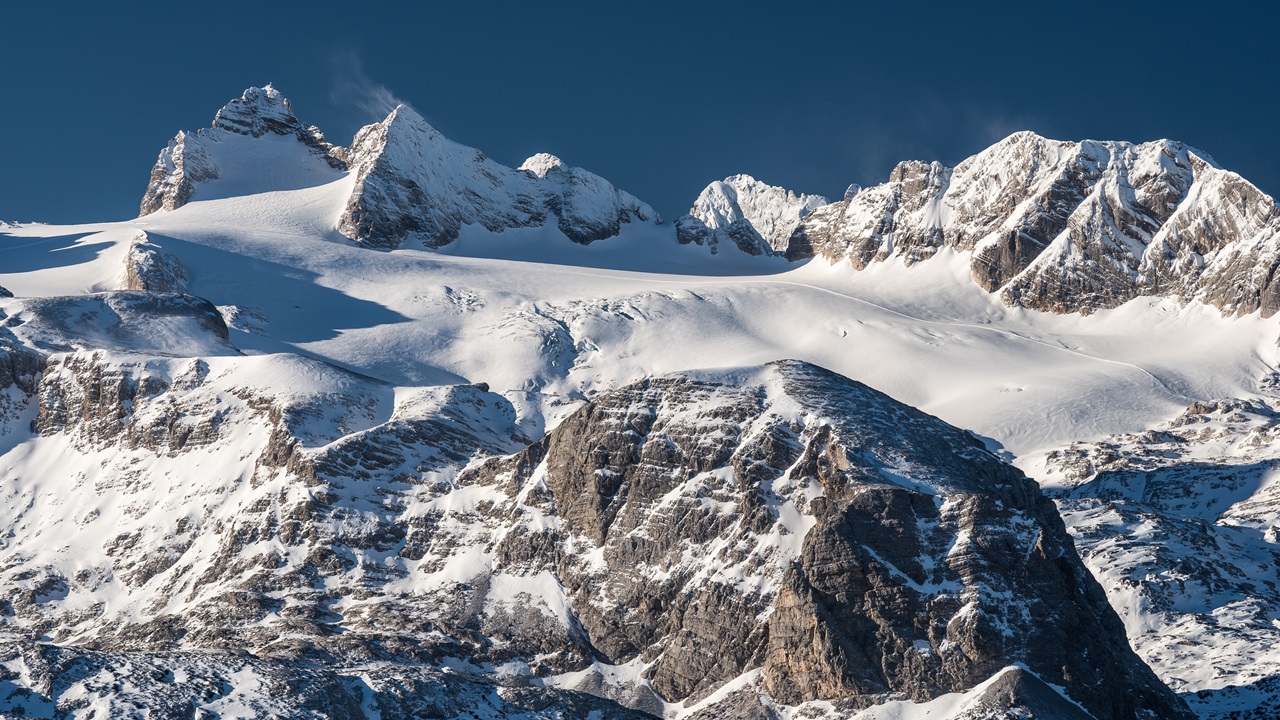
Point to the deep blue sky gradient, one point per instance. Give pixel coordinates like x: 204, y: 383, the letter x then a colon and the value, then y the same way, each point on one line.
x: 660, y: 98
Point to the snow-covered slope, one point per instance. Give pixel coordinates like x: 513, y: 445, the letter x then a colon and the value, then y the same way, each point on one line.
x: 1180, y: 524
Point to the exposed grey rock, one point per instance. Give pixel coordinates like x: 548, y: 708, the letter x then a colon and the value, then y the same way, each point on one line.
x: 5, y: 293
x: 182, y: 165
x: 878, y: 602
x: 150, y: 269
x: 898, y: 218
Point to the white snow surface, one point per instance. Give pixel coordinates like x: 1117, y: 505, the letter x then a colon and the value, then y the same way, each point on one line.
x: 773, y: 211
x: 545, y: 320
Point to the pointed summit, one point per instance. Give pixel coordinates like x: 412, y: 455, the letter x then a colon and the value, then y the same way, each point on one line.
x: 193, y: 158
x: 756, y: 217
x: 257, y: 112
x: 541, y: 164
x: 414, y: 185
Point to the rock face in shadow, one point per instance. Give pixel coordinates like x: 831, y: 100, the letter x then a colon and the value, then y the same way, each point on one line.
x: 1069, y: 227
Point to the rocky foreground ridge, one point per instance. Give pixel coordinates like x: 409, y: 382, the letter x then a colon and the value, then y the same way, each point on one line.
x: 273, y: 534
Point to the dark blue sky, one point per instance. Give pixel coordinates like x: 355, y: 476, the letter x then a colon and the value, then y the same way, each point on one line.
x: 660, y: 98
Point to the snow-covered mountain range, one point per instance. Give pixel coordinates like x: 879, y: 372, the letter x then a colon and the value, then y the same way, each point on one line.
x: 392, y: 430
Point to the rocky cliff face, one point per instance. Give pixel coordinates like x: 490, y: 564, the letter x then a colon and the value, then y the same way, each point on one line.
x: 758, y: 218
x: 191, y: 158
x: 1069, y: 227
x: 792, y: 520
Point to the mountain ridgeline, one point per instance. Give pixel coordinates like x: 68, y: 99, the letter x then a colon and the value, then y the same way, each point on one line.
x: 313, y: 438
x: 1056, y: 226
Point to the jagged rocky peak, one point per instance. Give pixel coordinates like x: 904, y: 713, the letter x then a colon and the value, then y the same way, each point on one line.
x: 193, y: 158
x: 413, y: 185
x: 758, y: 218
x: 182, y: 165
x: 257, y: 112
x: 1069, y: 226
x: 899, y: 218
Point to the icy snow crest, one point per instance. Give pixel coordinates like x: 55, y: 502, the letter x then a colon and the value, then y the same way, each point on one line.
x: 758, y: 218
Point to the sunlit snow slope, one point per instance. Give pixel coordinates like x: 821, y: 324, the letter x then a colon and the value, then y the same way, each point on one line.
x: 543, y: 320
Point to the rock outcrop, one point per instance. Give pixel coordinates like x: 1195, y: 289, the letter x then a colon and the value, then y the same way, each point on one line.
x: 413, y: 185
x: 150, y: 269
x: 757, y: 218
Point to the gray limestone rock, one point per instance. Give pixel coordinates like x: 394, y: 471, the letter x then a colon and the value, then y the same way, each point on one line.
x: 150, y: 269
